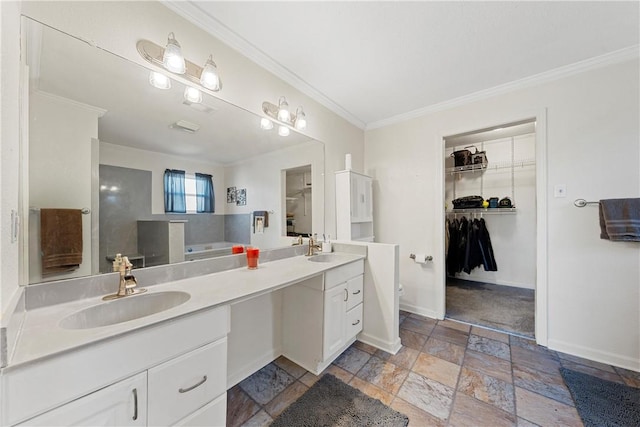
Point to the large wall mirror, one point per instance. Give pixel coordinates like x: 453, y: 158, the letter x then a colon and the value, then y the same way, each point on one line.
x: 99, y: 138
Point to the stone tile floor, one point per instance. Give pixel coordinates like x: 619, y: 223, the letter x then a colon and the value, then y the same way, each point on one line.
x: 446, y: 374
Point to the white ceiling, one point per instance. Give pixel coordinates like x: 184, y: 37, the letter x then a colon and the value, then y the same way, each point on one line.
x: 372, y: 61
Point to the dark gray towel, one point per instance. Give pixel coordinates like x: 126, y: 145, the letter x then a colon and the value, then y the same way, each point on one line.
x: 620, y: 220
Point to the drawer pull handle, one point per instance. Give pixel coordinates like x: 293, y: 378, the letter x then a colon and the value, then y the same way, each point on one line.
x: 357, y: 321
x: 135, y: 404
x: 198, y: 384
x: 346, y: 294
x: 357, y: 292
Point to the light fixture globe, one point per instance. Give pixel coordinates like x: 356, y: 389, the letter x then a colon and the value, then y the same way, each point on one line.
x: 283, y: 131
x: 266, y: 124
x: 192, y: 95
x: 301, y: 119
x: 283, y: 110
x: 172, y: 58
x: 159, y: 80
x: 209, y: 77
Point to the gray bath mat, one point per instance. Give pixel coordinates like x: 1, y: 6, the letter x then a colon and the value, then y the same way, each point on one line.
x: 330, y: 402
x: 602, y: 403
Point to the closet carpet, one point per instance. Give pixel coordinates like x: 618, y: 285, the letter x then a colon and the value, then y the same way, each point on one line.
x: 504, y: 308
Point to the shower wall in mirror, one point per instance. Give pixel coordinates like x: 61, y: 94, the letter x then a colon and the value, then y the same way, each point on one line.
x: 100, y: 138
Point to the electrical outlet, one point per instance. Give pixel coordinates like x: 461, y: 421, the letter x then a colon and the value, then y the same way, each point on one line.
x: 560, y: 190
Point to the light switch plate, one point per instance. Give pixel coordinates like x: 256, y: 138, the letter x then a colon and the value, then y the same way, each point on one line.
x: 560, y: 190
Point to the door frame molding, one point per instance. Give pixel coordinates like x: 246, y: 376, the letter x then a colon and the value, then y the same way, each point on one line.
x: 541, y: 290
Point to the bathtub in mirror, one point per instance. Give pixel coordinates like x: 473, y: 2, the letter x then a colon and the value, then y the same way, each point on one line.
x: 100, y: 137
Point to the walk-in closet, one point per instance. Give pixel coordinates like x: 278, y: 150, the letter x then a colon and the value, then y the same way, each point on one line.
x: 490, y: 227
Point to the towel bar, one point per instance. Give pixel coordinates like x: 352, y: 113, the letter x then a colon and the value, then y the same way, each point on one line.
x: 581, y: 203
x: 85, y: 211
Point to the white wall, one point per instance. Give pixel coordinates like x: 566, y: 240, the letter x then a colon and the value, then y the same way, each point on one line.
x: 264, y: 178
x: 127, y: 157
x: 60, y: 173
x: 117, y: 26
x: 592, y: 134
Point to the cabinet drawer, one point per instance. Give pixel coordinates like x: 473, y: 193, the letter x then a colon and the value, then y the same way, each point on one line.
x: 355, y: 287
x: 179, y: 387
x: 354, y: 321
x: 213, y: 414
x: 343, y: 273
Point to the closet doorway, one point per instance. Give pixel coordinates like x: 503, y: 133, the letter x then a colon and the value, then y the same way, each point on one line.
x: 490, y: 227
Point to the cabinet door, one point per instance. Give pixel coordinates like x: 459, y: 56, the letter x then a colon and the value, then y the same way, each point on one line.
x: 361, y: 198
x: 120, y: 404
x: 334, y: 320
x: 354, y: 183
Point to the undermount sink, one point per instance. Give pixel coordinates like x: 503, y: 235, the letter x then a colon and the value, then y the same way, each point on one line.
x: 124, y: 309
x: 324, y: 258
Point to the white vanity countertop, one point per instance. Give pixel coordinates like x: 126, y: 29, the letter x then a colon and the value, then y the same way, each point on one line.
x: 41, y: 336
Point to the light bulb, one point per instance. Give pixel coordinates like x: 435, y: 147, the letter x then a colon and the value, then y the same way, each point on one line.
x: 301, y: 119
x: 159, y: 80
x: 209, y: 77
x: 172, y: 58
x: 283, y: 110
x: 192, y: 95
x: 266, y: 124
x: 283, y: 131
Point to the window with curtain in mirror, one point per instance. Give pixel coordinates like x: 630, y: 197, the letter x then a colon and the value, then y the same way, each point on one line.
x: 188, y: 193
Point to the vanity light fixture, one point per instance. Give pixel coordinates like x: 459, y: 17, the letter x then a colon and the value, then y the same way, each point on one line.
x: 159, y: 80
x: 192, y: 95
x: 281, y: 115
x: 170, y: 58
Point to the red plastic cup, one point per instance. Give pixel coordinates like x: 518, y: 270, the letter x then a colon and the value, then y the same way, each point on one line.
x: 237, y: 249
x: 252, y: 258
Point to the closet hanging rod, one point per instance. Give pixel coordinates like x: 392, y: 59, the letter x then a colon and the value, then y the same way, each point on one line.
x: 581, y: 203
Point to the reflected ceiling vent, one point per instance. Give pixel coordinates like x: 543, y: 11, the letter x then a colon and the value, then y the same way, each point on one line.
x: 203, y: 108
x: 185, y: 126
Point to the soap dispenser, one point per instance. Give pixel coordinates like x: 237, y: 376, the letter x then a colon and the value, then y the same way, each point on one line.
x: 326, y: 244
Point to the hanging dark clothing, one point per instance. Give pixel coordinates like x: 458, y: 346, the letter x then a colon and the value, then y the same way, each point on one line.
x: 484, y: 242
x: 469, y: 247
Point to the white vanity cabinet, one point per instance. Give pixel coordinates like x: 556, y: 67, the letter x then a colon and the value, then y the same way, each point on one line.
x: 354, y: 206
x: 336, y: 298
x: 174, y: 372
x: 120, y: 404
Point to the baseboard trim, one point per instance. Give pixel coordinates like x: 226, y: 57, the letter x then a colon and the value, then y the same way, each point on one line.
x: 251, y: 368
x: 595, y: 355
x: 390, y: 347
x: 420, y: 310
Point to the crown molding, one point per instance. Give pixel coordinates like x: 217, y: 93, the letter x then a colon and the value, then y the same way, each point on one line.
x: 81, y: 105
x: 618, y: 56
x: 206, y: 22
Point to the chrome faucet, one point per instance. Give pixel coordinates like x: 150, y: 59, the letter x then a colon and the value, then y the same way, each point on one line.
x: 128, y: 281
x: 312, y: 246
